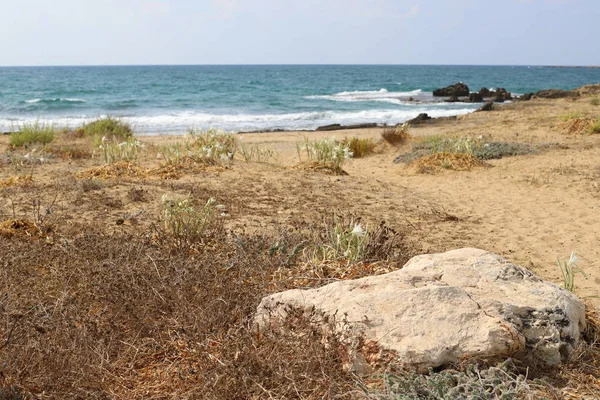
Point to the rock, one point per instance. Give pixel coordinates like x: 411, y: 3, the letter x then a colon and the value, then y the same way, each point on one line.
x: 460, y: 89
x: 485, y: 92
x: 526, y: 97
x: 438, y: 310
x: 588, y: 90
x: 475, y: 98
x: 489, y: 106
x: 452, y: 99
x: 411, y: 99
x: 419, y: 119
x: 499, y: 98
x: 331, y: 127
x: 337, y: 127
x: 556, y: 94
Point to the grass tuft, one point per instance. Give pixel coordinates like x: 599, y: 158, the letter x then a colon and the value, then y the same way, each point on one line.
x: 30, y: 133
x: 106, y: 127
x: 595, y: 101
x: 396, y: 135
x: 326, y: 153
x: 360, y: 147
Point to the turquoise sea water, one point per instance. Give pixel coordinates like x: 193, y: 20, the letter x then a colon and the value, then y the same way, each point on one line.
x: 171, y: 99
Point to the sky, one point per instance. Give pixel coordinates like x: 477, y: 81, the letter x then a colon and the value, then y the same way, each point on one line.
x: 127, y: 32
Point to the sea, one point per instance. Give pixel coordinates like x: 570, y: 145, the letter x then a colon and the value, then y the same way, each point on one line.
x: 242, y: 98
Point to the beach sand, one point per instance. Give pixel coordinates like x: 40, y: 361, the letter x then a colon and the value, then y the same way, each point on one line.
x: 532, y: 209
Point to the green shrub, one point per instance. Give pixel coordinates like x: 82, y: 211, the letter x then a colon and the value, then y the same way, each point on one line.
x: 325, y: 152
x: 571, y: 115
x: 30, y: 133
x: 496, y: 150
x: 439, y: 144
x: 347, y: 240
x: 595, y: 128
x: 187, y: 225
x: 595, y: 101
x: 106, y: 127
x: 113, y: 151
x: 255, y: 153
x: 212, y: 146
x: 359, y: 147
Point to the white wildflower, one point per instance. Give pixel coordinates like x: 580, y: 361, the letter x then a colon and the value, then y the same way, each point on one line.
x: 358, y: 231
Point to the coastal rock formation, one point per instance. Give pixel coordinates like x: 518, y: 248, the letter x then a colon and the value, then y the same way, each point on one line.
x: 475, y: 98
x: 489, y: 106
x: 460, y: 89
x: 337, y: 127
x: 556, y: 94
x: 438, y: 310
x: 419, y: 119
x: 485, y: 92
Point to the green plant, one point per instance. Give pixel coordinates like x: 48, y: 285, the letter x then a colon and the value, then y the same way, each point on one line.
x: 496, y: 382
x: 123, y: 151
x: 29, y: 133
x: 568, y: 269
x: 439, y: 144
x: 326, y: 152
x: 255, y: 153
x: 173, y: 153
x: 188, y: 225
x: 595, y: 128
x: 359, y: 147
x: 341, y: 240
x: 212, y: 146
x: 106, y: 127
x: 595, y: 101
x: 571, y: 115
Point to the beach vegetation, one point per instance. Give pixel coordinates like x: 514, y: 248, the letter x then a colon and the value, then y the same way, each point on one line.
x: 595, y: 127
x: 211, y: 146
x: 396, y: 135
x: 187, y: 225
x: 256, y: 153
x: 113, y: 151
x: 32, y: 133
x: 569, y: 269
x: 360, y: 147
x: 108, y: 126
x: 326, y: 152
x: 595, y: 101
x: 570, y: 116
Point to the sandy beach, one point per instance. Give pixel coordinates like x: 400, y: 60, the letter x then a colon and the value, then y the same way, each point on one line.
x: 532, y: 209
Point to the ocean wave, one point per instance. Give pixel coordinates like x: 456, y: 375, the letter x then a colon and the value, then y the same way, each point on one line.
x: 382, y: 95
x: 56, y: 100
x: 179, y: 122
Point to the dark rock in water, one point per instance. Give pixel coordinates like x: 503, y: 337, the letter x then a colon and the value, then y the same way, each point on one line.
x: 331, y: 127
x: 475, y: 98
x: 452, y: 99
x: 460, y: 89
x: 489, y: 106
x: 411, y: 99
x: 337, y: 127
x: 485, y: 92
x: 499, y: 98
x: 502, y: 95
x: 556, y: 94
x: 419, y: 119
x: 526, y: 97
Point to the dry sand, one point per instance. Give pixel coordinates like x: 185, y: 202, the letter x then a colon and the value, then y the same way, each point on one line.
x: 531, y: 209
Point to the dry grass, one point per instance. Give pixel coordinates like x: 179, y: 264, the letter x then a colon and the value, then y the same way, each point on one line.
x: 437, y: 162
x: 321, y: 167
x: 578, y: 126
x: 18, y: 180
x: 120, y: 169
x: 19, y: 227
x: 396, y: 135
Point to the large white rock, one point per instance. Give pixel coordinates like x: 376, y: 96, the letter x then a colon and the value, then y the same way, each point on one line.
x: 441, y: 309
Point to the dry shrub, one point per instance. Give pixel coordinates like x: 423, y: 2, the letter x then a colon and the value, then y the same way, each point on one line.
x: 70, y: 152
x: 185, y: 165
x: 115, y: 317
x: 360, y: 147
x: 19, y: 227
x: 396, y: 135
x: 19, y: 180
x: 578, y: 126
x: 455, y: 161
x: 120, y: 169
x: 315, y: 166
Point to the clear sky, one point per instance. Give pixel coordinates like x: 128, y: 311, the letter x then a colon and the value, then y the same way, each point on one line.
x: 106, y: 32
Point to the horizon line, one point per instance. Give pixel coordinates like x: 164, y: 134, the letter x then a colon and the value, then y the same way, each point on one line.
x: 301, y: 64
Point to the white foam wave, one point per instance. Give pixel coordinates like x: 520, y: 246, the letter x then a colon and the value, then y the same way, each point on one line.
x: 179, y: 122
x: 55, y: 100
x: 382, y: 95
